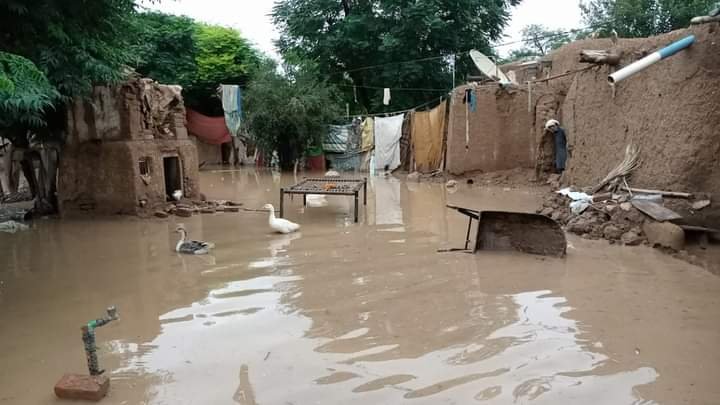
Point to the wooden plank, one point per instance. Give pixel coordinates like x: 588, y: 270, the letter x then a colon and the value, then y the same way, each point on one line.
x: 691, y: 228
x: 655, y: 210
x: 661, y: 192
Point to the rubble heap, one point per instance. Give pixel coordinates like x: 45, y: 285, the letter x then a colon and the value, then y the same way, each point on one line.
x: 188, y: 208
x: 615, y: 217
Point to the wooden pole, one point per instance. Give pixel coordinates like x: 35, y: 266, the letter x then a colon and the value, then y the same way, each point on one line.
x: 661, y: 192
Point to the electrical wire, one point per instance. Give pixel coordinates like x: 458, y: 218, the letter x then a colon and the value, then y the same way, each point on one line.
x: 392, y: 88
x: 549, y: 36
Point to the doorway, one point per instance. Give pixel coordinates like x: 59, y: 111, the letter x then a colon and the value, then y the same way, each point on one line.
x: 173, y: 176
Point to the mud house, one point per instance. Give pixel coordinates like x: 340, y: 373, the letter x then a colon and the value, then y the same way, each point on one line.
x: 668, y: 110
x: 127, y: 151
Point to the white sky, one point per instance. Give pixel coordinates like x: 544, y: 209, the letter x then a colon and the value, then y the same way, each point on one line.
x: 251, y: 17
x: 554, y: 14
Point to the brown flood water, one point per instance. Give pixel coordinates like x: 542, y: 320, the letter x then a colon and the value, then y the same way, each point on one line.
x: 352, y: 314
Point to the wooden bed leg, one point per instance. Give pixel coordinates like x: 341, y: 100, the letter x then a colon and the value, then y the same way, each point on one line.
x: 365, y: 191
x: 467, y: 237
x: 356, y: 206
x: 282, y: 203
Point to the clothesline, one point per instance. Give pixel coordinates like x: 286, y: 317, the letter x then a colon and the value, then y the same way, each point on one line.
x: 548, y: 36
x: 440, y: 99
x: 392, y: 88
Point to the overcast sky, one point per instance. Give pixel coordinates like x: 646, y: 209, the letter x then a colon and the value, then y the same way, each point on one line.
x: 251, y: 17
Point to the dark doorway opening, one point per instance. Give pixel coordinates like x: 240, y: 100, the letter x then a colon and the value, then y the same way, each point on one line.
x: 173, y: 176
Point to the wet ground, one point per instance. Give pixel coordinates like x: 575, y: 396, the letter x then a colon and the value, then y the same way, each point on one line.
x: 349, y: 313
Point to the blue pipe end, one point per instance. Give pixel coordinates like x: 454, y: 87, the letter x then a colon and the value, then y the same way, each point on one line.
x: 676, y: 47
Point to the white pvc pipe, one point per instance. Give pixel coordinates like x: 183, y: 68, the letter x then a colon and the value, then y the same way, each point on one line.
x: 651, y: 59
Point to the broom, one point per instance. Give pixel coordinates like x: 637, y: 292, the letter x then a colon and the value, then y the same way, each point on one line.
x: 628, y: 165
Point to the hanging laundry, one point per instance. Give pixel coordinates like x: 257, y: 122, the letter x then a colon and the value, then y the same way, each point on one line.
x: 336, y: 139
x: 386, y: 96
x: 232, y: 106
x: 387, y: 142
x: 211, y: 130
x: 368, y: 134
x: 428, y: 129
x: 471, y: 99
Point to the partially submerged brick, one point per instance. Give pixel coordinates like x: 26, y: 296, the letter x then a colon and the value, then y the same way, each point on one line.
x: 80, y: 386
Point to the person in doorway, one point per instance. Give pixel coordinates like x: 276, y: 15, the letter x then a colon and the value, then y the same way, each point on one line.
x: 553, y: 126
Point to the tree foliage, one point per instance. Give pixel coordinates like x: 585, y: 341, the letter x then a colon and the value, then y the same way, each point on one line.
x: 58, y: 48
x: 223, y: 57
x: 641, y: 18
x: 538, y: 40
x: 25, y: 92
x: 347, y: 35
x: 289, y: 112
x: 199, y: 57
x: 165, y: 49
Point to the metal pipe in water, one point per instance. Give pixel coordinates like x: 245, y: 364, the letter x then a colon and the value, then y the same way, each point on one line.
x: 88, y: 337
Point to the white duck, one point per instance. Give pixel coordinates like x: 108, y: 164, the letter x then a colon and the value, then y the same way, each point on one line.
x: 280, y: 225
x: 191, y: 247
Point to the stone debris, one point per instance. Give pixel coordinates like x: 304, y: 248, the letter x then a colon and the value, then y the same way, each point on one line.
x: 187, y: 208
x: 698, y: 205
x: 614, y: 217
x: 664, y: 235
x: 184, y: 212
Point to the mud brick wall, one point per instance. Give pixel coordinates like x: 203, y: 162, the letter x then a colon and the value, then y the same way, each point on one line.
x: 671, y: 110
x: 500, y: 132
x: 109, y: 134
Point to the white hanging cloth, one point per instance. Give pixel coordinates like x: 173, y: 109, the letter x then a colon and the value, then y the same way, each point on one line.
x: 388, y: 132
x: 386, y: 96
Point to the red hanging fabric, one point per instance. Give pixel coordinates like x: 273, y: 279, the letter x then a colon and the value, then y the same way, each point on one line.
x: 210, y: 130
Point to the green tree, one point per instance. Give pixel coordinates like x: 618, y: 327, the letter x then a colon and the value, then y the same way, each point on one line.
x: 348, y: 35
x: 52, y: 51
x: 538, y: 40
x: 199, y: 57
x: 165, y: 48
x: 223, y: 57
x: 25, y: 93
x: 641, y: 18
x: 289, y: 112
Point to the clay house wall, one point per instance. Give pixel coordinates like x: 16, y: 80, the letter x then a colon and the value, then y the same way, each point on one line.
x: 670, y: 110
x: 500, y: 131
x: 126, y: 149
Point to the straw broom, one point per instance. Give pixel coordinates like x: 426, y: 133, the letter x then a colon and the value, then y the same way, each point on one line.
x: 628, y: 165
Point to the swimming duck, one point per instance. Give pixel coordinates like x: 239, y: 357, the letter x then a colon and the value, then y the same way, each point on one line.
x: 191, y: 247
x: 280, y: 225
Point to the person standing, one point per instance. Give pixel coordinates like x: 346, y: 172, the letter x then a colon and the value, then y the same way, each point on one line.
x: 560, y: 140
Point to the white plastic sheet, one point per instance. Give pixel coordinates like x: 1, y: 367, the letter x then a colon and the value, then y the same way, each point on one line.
x: 388, y: 132
x: 580, y: 201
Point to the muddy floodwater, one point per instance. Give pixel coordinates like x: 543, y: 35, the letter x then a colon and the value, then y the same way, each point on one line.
x: 365, y: 313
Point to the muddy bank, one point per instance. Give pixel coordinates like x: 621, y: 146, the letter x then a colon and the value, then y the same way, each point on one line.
x: 365, y: 313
